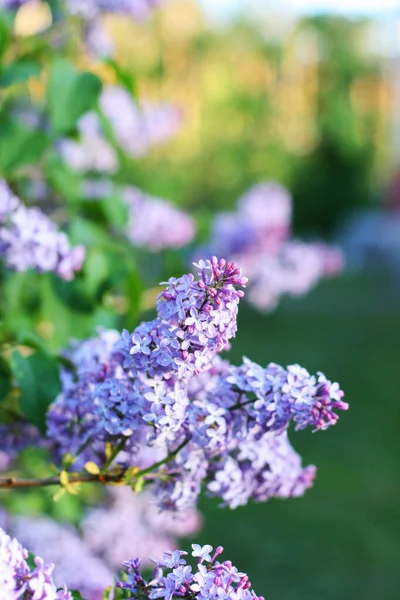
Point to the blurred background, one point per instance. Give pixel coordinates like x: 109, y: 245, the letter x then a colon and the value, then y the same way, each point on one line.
x: 306, y: 93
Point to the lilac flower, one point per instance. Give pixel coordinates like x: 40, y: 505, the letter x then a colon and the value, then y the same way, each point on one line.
x: 203, y: 552
x: 257, y: 237
x: 75, y: 564
x: 136, y: 129
x: 154, y: 223
x: 72, y: 418
x: 30, y: 240
x: 164, y: 392
x: 18, y: 581
x: 211, y: 580
x: 92, y: 152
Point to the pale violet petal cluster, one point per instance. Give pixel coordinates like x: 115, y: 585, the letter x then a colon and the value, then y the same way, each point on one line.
x: 20, y: 582
x: 30, y: 240
x: 132, y: 524
x: 76, y: 566
x: 135, y: 128
x: 156, y: 224
x: 165, y: 392
x: 257, y: 236
x: 172, y: 577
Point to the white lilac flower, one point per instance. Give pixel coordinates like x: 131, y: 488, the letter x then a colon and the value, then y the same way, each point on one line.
x: 30, y: 240
x: 20, y: 582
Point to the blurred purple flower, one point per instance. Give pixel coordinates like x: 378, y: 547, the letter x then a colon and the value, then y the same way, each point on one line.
x: 30, y: 240
x: 155, y: 224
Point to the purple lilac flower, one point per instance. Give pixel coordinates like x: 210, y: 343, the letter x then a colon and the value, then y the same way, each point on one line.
x: 92, y: 152
x: 173, y: 577
x: 164, y: 390
x: 18, y: 581
x: 257, y: 237
x: 30, y: 240
x: 72, y: 419
x: 259, y: 471
x: 136, y: 129
x: 154, y: 223
x: 294, y: 269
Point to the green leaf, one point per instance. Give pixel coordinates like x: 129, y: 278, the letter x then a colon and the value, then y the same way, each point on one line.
x: 5, y: 378
x: 20, y: 146
x: 96, y: 270
x: 38, y: 379
x: 77, y: 595
x: 6, y: 27
x: 65, y: 181
x: 133, y: 291
x: 70, y: 94
x: 18, y: 72
x: 31, y: 339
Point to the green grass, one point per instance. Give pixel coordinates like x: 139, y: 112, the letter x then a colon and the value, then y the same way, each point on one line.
x: 342, y: 540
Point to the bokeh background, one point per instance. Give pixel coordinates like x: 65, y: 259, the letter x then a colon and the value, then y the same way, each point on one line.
x: 307, y: 94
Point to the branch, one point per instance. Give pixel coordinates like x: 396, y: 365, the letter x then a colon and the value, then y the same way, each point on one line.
x: 12, y: 482
x: 103, y: 478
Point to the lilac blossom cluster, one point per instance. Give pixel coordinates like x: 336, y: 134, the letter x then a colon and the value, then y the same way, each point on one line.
x: 20, y: 582
x: 182, y: 414
x: 257, y: 236
x: 154, y: 223
x: 75, y: 565
x: 172, y: 577
x: 88, y: 562
x: 136, y: 129
x: 30, y: 240
x: 133, y: 524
